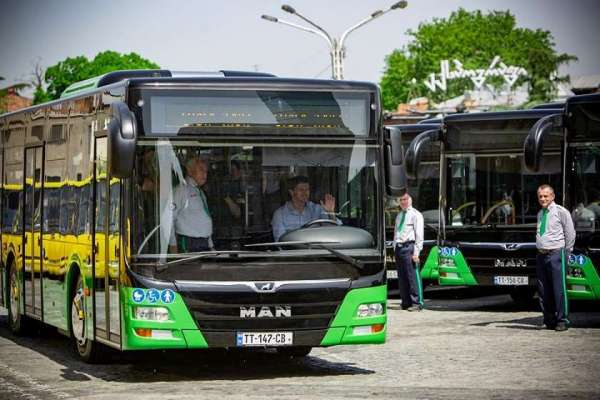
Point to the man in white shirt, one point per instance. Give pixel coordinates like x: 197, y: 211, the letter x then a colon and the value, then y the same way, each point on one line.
x: 408, y: 243
x: 192, y: 219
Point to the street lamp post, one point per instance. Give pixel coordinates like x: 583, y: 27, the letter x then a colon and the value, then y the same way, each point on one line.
x: 336, y: 47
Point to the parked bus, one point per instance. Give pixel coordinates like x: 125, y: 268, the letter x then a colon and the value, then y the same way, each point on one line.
x: 488, y: 201
x: 579, y: 127
x: 424, y: 191
x: 88, y: 212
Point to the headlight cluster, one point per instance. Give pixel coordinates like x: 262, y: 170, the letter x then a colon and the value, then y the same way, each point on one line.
x: 447, y: 262
x: 151, y: 313
x: 369, y: 310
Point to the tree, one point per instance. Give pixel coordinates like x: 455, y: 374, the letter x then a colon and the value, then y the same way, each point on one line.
x: 474, y: 39
x: 75, y: 69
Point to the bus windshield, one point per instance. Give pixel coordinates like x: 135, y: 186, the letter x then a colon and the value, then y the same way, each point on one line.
x: 586, y: 201
x: 495, y: 189
x: 245, y: 184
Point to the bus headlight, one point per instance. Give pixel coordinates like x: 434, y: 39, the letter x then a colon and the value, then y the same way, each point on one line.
x: 447, y: 262
x: 151, y: 313
x: 369, y: 310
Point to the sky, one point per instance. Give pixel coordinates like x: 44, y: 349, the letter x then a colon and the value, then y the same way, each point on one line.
x: 197, y: 35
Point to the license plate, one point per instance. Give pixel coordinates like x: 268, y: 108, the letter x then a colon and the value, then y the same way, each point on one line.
x: 511, y: 280
x: 265, y: 339
x: 392, y: 274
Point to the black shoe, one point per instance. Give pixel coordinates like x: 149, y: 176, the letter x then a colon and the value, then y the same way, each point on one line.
x: 561, y: 327
x: 415, y: 307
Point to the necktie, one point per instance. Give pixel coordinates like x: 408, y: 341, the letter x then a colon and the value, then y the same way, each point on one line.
x: 543, y: 222
x: 401, y: 223
x: 204, y: 203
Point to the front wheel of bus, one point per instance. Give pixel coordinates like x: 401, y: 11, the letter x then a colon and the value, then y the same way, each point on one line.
x: 294, y: 351
x: 88, y: 350
x: 16, y: 321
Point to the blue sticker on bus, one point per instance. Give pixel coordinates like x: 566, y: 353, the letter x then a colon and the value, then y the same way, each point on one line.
x: 167, y: 296
x: 572, y: 259
x: 454, y: 251
x: 580, y: 259
x: 445, y: 251
x: 153, y: 295
x: 138, y: 295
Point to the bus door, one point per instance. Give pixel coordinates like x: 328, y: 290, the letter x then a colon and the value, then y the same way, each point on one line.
x: 32, y: 232
x: 106, y: 248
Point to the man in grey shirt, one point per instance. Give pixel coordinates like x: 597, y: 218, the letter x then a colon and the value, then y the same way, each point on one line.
x: 192, y: 219
x: 555, y: 239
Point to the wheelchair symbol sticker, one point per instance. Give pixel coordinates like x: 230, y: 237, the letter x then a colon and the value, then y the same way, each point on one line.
x: 153, y: 295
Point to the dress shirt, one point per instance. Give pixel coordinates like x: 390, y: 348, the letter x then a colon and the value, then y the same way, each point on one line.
x: 412, y: 229
x: 559, y: 231
x: 190, y: 212
x: 287, y: 218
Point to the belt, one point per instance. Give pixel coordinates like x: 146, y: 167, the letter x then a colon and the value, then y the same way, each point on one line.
x: 405, y: 244
x: 546, y: 251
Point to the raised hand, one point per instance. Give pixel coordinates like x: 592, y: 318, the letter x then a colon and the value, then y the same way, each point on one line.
x: 328, y: 203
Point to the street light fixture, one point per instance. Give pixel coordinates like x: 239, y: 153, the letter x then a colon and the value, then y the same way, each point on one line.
x: 336, y: 47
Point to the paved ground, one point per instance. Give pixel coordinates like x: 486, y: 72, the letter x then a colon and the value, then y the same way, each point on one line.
x: 474, y: 348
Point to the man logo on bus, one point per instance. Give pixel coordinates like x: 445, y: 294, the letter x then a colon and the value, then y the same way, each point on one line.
x: 167, y: 296
x: 266, y: 312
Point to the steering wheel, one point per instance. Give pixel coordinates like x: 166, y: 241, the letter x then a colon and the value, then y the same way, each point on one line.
x: 511, y: 218
x: 319, y: 221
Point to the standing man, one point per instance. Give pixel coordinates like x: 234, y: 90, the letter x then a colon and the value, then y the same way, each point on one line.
x: 408, y: 243
x: 193, y: 223
x: 299, y: 210
x: 554, y: 240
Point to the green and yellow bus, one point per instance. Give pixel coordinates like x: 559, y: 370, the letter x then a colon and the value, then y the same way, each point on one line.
x: 87, y: 213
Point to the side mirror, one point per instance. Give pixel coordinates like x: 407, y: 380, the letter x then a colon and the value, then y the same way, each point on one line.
x: 533, y: 147
x: 395, y: 175
x: 122, y: 138
x: 415, y: 149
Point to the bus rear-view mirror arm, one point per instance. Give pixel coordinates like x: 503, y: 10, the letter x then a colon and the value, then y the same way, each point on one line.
x: 533, y: 147
x: 395, y: 175
x: 415, y: 149
x: 122, y: 138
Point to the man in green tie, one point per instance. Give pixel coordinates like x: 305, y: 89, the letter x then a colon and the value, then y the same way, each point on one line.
x: 555, y: 239
x: 408, y: 243
x: 192, y: 220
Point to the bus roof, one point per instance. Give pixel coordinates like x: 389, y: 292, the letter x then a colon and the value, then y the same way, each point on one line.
x: 116, y: 76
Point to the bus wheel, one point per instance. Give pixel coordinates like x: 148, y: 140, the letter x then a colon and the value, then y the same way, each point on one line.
x: 16, y: 321
x: 294, y: 351
x: 88, y: 350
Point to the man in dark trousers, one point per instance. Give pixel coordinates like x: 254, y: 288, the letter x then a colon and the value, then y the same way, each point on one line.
x: 555, y: 239
x: 408, y: 243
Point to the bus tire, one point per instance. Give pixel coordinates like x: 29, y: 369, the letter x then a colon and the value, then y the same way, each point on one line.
x: 88, y: 350
x: 17, y: 321
x: 294, y: 351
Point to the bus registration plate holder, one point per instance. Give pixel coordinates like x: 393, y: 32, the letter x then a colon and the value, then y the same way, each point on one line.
x: 511, y: 280
x: 250, y: 339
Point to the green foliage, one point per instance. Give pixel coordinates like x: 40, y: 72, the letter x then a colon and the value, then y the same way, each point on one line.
x: 75, y: 69
x: 474, y: 39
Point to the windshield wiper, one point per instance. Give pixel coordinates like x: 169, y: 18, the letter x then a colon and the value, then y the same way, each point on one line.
x: 193, y: 256
x: 322, y: 244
